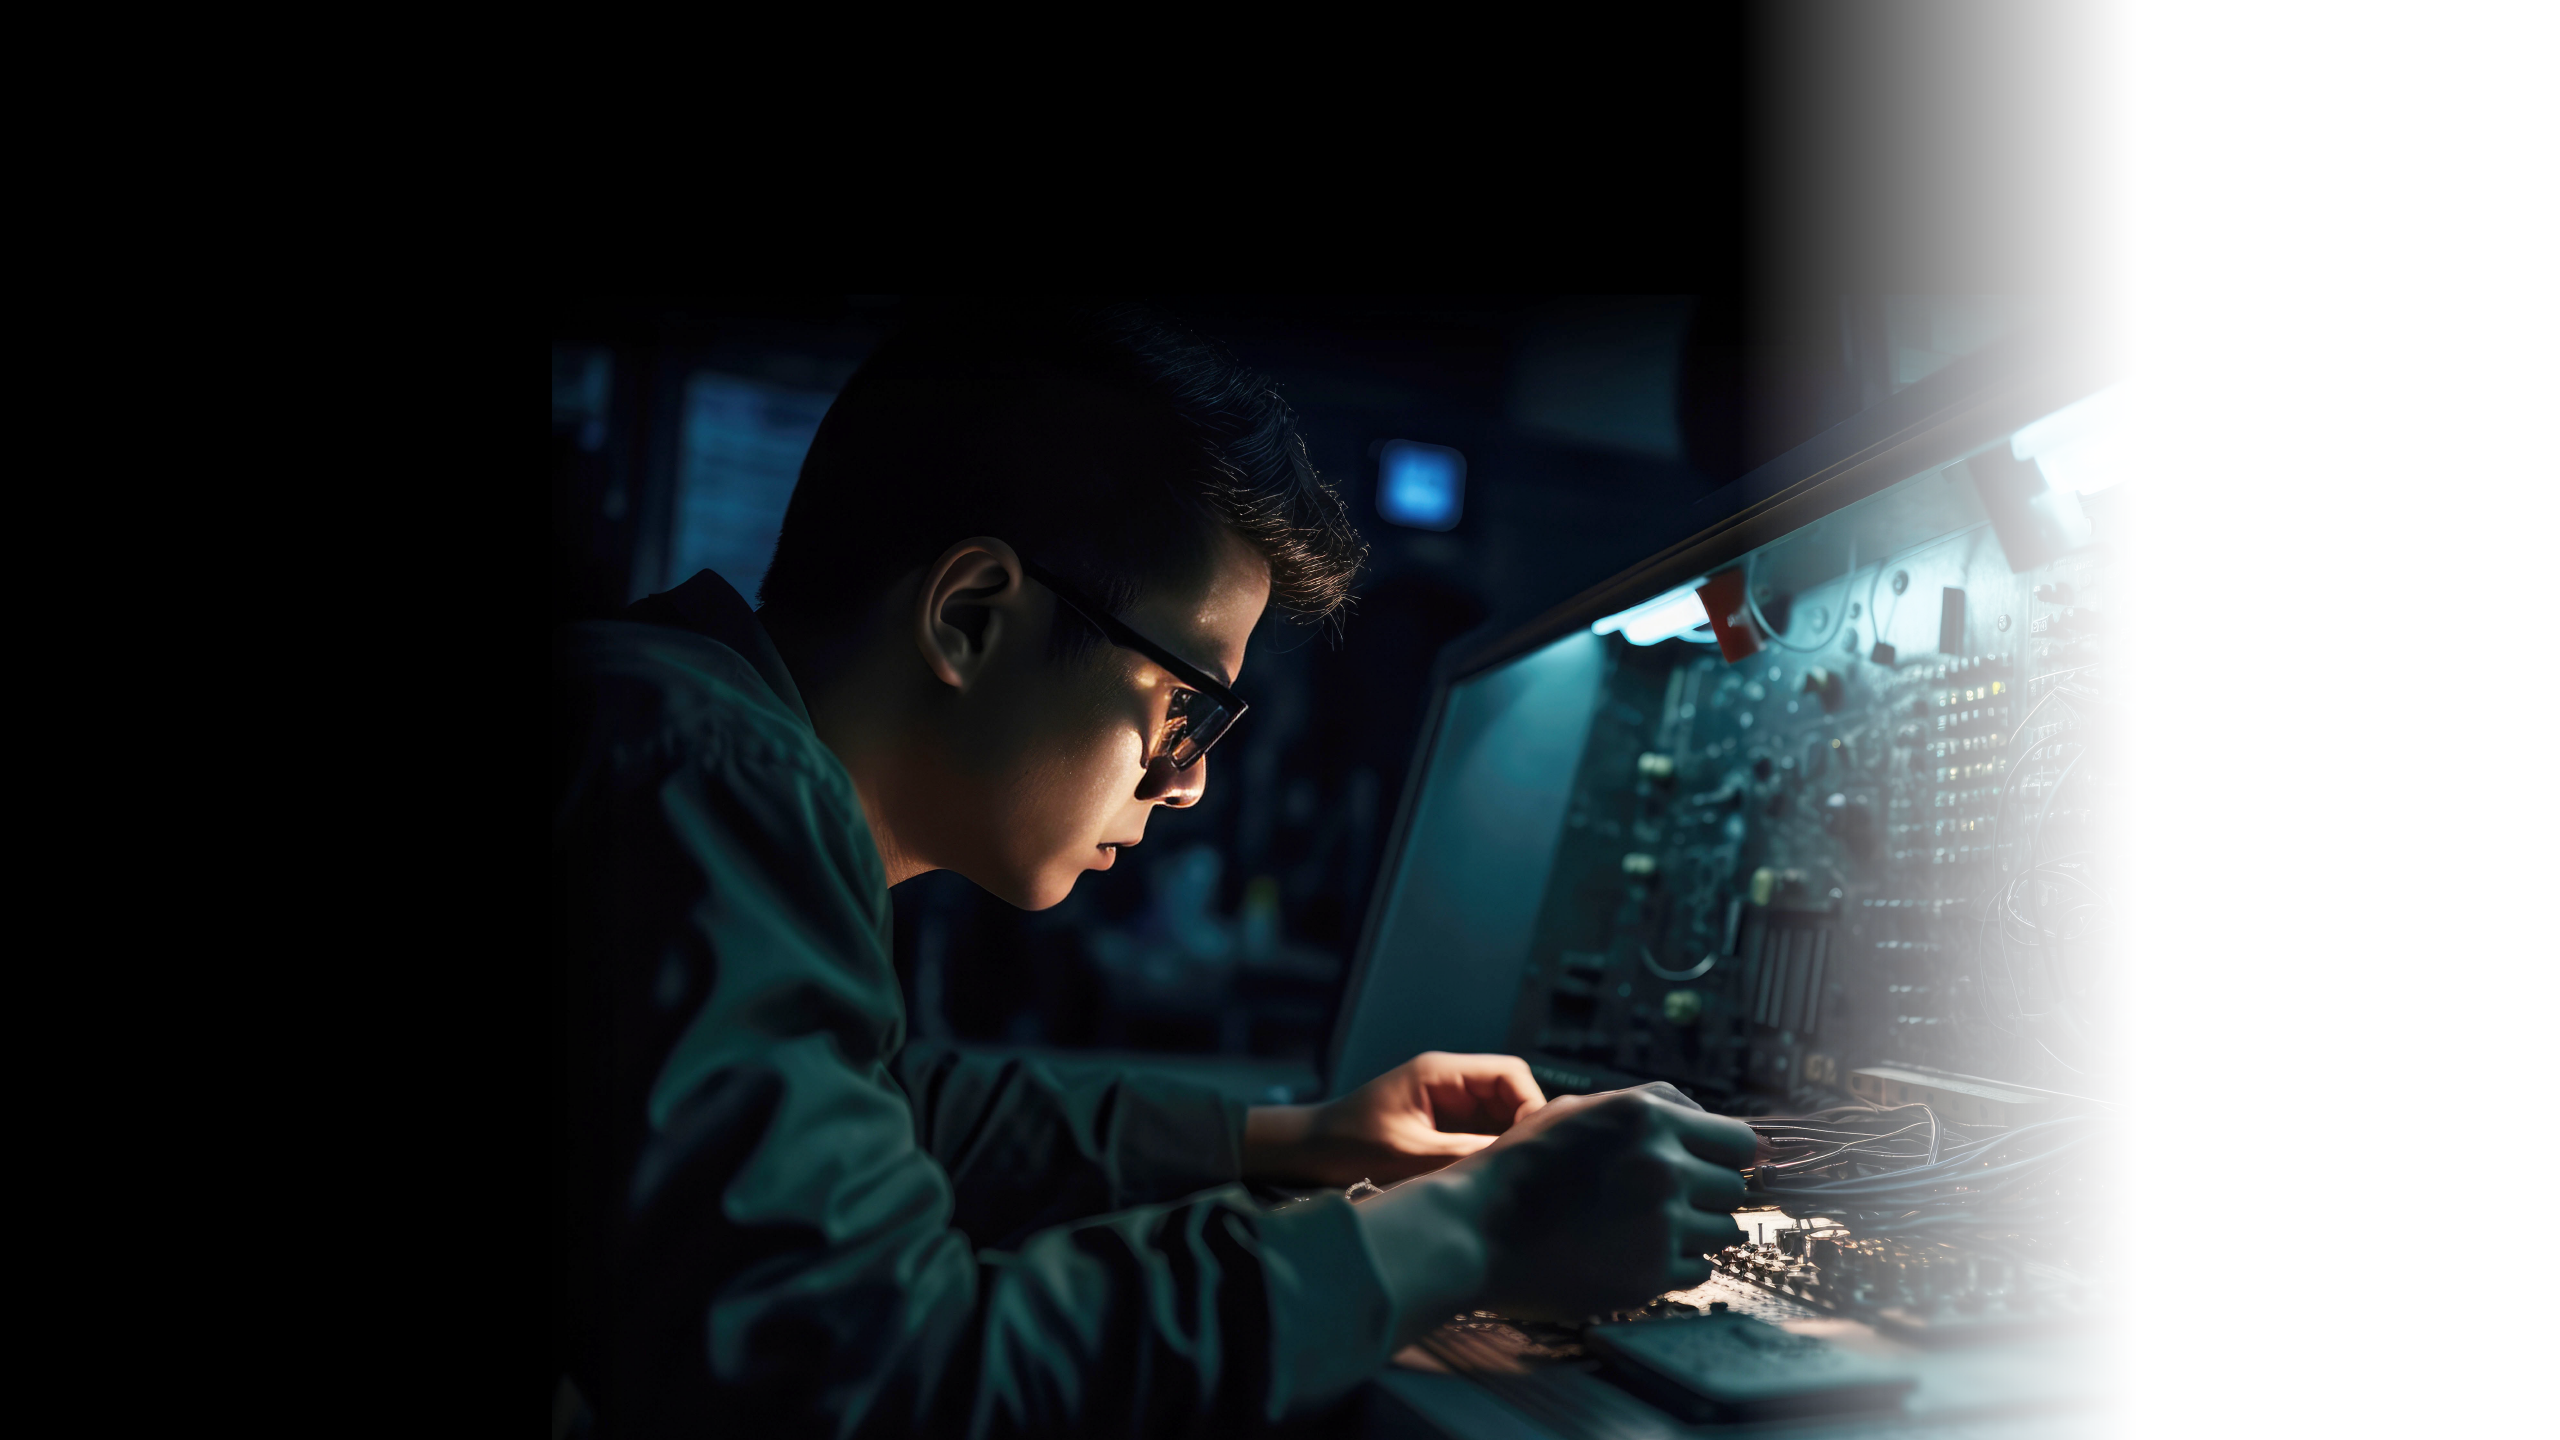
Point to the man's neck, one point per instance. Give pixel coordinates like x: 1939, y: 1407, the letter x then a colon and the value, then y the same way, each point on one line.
x: 857, y: 706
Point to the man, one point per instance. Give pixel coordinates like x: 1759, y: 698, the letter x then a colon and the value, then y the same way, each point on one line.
x: 1004, y: 623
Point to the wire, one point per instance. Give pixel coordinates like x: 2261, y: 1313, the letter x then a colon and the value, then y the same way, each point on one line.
x: 1860, y: 1165
x: 1905, y: 552
x: 1880, y: 626
x: 2031, y: 715
x: 2035, y: 841
x: 1645, y: 953
x: 2058, y: 1060
x: 2017, y: 767
x: 1839, y: 612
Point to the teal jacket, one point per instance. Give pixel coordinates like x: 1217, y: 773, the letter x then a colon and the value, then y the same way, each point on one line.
x: 770, y: 1214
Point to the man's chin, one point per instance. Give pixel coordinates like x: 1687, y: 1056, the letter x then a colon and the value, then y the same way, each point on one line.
x: 1046, y: 892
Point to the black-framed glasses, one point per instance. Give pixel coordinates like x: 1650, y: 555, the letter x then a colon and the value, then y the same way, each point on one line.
x: 1196, y: 717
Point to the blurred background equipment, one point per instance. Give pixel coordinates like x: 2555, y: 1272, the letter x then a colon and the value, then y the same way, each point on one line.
x: 1424, y: 486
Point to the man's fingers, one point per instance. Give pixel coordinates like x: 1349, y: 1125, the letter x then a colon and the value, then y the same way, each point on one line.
x: 1704, y: 1234
x: 1688, y: 1273
x: 1485, y: 1094
x: 1445, y: 1142
x: 1713, y: 1187
x: 1718, y: 1139
x: 1669, y: 1094
x: 1505, y: 1081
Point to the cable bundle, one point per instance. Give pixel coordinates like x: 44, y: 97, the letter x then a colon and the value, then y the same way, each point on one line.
x: 2043, y: 922
x: 1901, y: 1170
x: 2042, y: 926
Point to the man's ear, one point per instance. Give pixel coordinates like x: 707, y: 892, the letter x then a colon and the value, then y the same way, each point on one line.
x: 971, y: 601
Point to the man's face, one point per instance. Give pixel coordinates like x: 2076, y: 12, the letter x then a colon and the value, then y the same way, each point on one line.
x: 1053, y: 766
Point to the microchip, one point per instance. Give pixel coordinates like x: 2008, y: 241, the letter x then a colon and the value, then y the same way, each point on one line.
x: 1732, y: 1369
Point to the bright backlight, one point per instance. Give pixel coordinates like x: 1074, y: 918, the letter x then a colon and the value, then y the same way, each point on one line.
x: 2080, y: 447
x: 1659, y: 618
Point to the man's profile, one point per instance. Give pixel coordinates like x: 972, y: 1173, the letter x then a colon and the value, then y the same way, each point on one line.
x: 1007, y: 619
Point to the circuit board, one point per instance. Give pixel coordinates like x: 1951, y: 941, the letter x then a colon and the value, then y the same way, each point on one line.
x: 1942, y: 1319
x: 1875, y: 837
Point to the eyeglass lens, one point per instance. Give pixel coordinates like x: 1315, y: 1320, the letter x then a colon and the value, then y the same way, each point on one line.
x: 1192, y: 724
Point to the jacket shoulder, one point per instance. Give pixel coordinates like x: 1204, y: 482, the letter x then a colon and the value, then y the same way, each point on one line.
x: 626, y: 692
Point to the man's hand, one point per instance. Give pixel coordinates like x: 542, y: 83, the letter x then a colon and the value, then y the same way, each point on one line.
x: 1607, y: 1200
x: 1592, y: 1203
x: 1419, y: 1116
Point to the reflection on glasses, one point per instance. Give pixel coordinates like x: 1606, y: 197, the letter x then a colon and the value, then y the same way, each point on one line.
x: 1197, y: 716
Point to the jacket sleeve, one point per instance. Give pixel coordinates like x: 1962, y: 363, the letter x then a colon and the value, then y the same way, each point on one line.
x: 752, y: 1234
x: 1027, y: 1147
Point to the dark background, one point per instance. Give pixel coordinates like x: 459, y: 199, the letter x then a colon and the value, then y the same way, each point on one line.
x: 1867, y: 191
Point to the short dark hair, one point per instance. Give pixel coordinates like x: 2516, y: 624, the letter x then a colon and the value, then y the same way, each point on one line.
x: 1105, y: 441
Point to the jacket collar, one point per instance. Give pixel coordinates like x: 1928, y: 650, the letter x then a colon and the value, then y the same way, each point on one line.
x: 710, y: 607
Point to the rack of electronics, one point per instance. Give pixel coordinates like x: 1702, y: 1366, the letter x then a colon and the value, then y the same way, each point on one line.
x: 1812, y: 817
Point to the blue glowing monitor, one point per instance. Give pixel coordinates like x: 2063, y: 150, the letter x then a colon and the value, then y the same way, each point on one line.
x: 736, y: 462
x: 1424, y: 486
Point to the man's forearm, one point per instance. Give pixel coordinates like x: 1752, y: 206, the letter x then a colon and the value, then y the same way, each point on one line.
x: 1424, y: 1236
x: 1274, y: 1138
x: 1427, y: 1240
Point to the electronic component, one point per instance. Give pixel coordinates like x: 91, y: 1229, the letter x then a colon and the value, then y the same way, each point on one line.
x: 1951, y: 621
x: 1904, y: 1171
x: 1865, y: 906
x: 1896, y: 868
x: 2035, y: 521
x: 1925, y: 1292
x: 1956, y: 1097
x: 1732, y: 1369
x: 1727, y: 598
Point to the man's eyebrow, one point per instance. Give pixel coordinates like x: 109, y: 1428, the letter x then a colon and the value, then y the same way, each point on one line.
x: 1185, y: 651
x: 1129, y: 636
x: 1213, y: 671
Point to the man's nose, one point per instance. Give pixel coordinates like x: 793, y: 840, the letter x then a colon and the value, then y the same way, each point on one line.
x: 1178, y: 788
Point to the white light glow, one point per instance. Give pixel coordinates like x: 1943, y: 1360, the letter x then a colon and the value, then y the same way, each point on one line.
x: 1659, y: 618
x: 2341, y: 317
x: 2080, y: 447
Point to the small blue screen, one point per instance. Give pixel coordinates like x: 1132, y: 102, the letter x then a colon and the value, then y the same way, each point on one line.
x: 1424, y: 486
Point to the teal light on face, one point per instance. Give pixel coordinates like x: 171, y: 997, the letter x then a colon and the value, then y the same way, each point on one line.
x: 1424, y: 486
